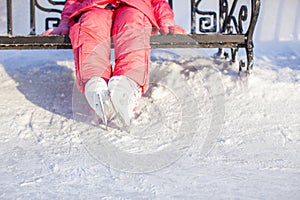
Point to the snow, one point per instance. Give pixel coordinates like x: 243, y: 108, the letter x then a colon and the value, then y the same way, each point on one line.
x: 202, y: 131
x: 228, y: 136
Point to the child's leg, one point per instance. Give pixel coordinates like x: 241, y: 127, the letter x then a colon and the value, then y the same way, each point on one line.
x: 131, y: 35
x: 91, y: 43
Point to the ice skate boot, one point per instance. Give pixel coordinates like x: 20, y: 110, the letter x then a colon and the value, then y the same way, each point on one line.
x: 97, y: 95
x: 124, y: 95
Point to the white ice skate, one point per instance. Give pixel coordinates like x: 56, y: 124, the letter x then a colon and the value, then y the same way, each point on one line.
x: 124, y: 94
x: 97, y: 95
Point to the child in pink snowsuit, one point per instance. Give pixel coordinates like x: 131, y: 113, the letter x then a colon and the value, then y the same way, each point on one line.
x: 91, y: 24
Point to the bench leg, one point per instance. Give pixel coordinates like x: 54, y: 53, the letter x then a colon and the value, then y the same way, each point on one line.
x: 249, y: 51
x: 221, y: 54
x: 233, y: 54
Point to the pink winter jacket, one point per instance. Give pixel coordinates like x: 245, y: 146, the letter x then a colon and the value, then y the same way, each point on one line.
x: 158, y: 11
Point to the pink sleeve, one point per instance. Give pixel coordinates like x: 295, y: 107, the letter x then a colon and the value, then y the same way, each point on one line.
x: 163, y: 13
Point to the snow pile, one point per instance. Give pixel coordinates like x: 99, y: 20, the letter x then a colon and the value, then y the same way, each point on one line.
x: 202, y: 130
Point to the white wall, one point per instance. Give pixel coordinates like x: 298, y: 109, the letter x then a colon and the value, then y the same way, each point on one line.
x: 2, y: 17
x: 279, y: 20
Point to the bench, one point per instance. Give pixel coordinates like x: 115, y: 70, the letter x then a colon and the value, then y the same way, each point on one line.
x: 231, y: 26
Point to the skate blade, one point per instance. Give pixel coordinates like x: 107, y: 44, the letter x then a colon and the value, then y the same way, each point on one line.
x: 100, y: 111
x: 124, y: 126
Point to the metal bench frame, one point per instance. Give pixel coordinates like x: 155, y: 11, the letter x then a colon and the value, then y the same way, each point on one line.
x: 225, y: 31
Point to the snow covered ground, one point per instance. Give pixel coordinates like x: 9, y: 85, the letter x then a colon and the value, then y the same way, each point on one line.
x: 233, y: 137
x: 203, y: 131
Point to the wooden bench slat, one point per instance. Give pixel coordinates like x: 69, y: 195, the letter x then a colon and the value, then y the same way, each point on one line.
x: 157, y: 41
x: 219, y: 40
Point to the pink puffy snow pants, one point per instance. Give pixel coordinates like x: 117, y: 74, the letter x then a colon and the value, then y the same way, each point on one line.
x: 91, y: 40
